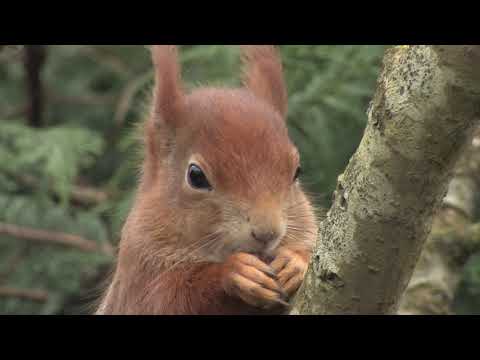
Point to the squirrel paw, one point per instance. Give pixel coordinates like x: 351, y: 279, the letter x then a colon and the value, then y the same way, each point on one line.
x: 253, y: 281
x: 290, y: 268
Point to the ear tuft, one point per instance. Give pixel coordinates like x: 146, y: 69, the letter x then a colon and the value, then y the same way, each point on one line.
x: 168, y: 91
x: 263, y: 75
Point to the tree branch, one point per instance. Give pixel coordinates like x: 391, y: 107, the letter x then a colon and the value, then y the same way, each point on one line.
x: 453, y: 239
x: 127, y: 95
x: 88, y: 195
x: 27, y: 294
x: 10, y: 53
x: 34, y: 60
x: 51, y: 237
x: 422, y: 115
x: 83, y: 195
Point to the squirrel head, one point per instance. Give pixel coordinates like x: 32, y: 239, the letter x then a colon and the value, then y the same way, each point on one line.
x: 221, y: 159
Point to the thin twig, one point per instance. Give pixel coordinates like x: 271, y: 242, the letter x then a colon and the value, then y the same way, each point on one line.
x: 52, y: 237
x: 101, y: 55
x: 127, y: 96
x: 88, y: 195
x: 84, y: 195
x: 92, y: 100
x: 14, y: 112
x: 26, y: 294
x: 10, y: 53
x: 12, y: 264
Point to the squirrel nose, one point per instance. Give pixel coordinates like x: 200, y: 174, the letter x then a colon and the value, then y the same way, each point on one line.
x: 264, y: 237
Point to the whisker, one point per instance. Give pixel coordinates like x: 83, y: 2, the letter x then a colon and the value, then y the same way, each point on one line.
x: 189, y: 248
x: 213, y: 238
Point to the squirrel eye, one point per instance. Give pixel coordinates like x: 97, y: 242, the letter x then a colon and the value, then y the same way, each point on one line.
x: 297, y: 174
x: 197, y: 179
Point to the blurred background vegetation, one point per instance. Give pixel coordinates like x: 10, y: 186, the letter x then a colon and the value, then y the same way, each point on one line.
x: 68, y: 151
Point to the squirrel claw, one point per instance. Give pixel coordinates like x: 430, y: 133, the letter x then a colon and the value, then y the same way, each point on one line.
x: 253, y: 281
x: 282, y: 302
x: 291, y: 268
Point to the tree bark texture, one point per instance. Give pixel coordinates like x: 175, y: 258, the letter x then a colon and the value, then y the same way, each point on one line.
x: 421, y: 118
x: 34, y: 60
x: 432, y: 289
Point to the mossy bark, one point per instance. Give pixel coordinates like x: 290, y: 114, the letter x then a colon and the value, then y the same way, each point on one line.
x: 422, y: 115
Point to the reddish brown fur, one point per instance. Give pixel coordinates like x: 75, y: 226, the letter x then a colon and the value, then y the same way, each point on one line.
x: 178, y: 248
x: 264, y: 75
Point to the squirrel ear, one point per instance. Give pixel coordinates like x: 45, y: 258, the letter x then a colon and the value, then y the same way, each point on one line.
x: 168, y: 91
x: 263, y: 75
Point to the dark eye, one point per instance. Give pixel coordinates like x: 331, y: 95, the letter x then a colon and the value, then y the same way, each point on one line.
x: 297, y: 174
x: 197, y: 179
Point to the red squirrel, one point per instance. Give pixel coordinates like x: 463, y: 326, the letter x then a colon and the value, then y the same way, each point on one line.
x: 220, y: 224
